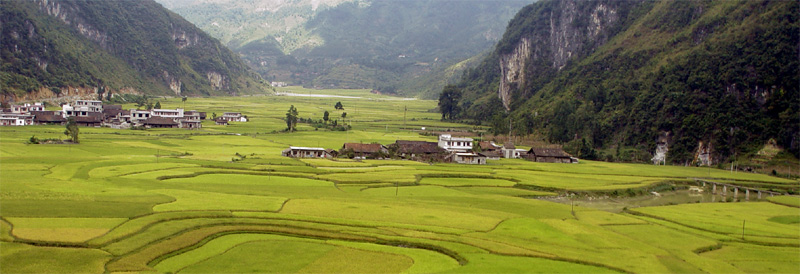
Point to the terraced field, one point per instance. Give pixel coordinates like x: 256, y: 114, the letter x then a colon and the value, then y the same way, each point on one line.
x: 184, y: 201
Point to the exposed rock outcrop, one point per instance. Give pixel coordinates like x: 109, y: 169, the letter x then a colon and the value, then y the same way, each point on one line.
x: 703, y: 155
x: 662, y: 147
x: 574, y: 29
x: 512, y: 69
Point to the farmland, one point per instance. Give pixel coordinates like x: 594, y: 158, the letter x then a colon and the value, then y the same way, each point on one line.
x: 222, y: 199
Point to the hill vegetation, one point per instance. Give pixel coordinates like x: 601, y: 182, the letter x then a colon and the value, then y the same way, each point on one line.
x: 391, y: 46
x: 621, y: 76
x: 114, y: 45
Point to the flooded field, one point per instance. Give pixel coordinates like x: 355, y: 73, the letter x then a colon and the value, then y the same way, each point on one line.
x: 685, y: 196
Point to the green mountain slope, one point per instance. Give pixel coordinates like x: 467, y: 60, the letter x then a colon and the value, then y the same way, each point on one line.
x: 392, y: 46
x: 624, y: 76
x: 121, y: 46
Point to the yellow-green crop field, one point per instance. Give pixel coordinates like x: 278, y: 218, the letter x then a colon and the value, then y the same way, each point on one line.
x: 222, y: 200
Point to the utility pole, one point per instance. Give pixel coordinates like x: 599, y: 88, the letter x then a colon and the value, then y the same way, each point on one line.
x: 743, y: 221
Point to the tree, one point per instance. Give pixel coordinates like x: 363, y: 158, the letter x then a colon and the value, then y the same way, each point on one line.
x: 291, y: 119
x: 184, y: 101
x: 326, y: 116
x: 344, y: 115
x: 158, y: 105
x: 72, y: 130
x: 213, y: 115
x: 339, y: 106
x: 108, y: 96
x: 448, y: 102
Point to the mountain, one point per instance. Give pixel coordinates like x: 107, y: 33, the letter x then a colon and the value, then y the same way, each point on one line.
x: 53, y: 47
x: 630, y: 78
x: 392, y: 46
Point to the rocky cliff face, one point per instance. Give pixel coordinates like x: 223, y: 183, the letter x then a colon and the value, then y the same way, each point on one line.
x: 571, y: 30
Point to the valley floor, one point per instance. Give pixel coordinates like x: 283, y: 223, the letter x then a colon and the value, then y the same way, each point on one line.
x: 222, y: 199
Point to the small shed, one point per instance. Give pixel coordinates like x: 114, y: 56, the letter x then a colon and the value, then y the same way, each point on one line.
x: 468, y: 158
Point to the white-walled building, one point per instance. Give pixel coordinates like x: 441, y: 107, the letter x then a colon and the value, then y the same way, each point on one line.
x: 26, y: 108
x: 458, y: 144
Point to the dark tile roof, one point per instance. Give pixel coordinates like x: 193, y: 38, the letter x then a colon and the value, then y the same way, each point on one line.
x: 157, y: 120
x: 363, y: 148
x: 93, y: 117
x: 492, y: 153
x: 417, y: 147
x: 47, y: 117
x: 486, y: 145
x: 548, y: 152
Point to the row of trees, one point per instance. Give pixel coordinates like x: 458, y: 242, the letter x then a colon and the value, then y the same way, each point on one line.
x: 292, y: 117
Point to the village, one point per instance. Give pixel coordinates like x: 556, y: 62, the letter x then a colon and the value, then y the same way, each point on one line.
x: 462, y: 150
x: 92, y: 113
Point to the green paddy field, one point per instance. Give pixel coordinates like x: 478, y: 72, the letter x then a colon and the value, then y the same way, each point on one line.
x: 223, y: 200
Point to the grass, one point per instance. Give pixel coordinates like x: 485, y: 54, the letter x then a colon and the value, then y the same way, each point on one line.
x: 223, y: 199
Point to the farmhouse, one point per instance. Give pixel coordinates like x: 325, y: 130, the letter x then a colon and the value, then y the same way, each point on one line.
x: 306, y: 152
x: 450, y: 143
x: 81, y: 108
x: 159, y: 122
x: 16, y: 120
x: 92, y: 119
x: 467, y: 158
x: 363, y: 151
x: 26, y: 108
x: 233, y: 117
x: 550, y: 155
x: 417, y: 149
x: 489, y: 146
x: 492, y: 154
x: 510, y: 151
x: 220, y: 122
x: 48, y: 118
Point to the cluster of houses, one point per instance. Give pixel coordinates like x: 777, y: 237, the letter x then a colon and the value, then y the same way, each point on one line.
x: 447, y: 149
x: 91, y: 113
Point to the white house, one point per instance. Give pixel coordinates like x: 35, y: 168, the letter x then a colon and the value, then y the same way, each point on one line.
x: 16, y: 120
x: 26, y: 108
x: 167, y: 113
x: 306, y: 152
x: 233, y: 117
x: 458, y: 144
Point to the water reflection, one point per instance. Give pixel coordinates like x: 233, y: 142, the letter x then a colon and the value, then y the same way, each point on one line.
x: 616, y: 204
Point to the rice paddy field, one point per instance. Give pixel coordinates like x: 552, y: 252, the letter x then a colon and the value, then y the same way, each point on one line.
x: 222, y: 200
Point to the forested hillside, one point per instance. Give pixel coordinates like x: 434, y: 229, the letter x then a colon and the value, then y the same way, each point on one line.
x: 50, y: 47
x: 622, y: 76
x: 392, y: 46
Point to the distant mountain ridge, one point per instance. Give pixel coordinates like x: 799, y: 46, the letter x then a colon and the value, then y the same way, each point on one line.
x: 387, y: 45
x: 716, y: 78
x: 52, y: 47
